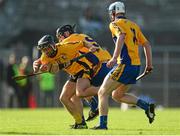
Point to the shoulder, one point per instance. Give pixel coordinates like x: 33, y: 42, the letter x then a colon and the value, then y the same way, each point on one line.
x: 83, y: 35
x: 134, y: 24
x: 58, y: 44
x: 76, y: 37
x: 114, y: 24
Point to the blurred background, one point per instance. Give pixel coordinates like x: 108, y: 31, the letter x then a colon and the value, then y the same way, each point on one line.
x: 24, y: 22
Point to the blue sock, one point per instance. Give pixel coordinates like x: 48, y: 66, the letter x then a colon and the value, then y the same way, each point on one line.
x: 142, y: 104
x: 103, y: 121
x: 93, y: 103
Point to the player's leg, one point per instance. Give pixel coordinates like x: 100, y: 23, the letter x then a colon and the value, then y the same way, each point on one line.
x: 78, y: 103
x: 83, y: 84
x: 96, y: 82
x: 88, y: 85
x: 84, y: 88
x: 103, y: 95
x: 120, y: 95
x: 79, y: 106
x: 93, y: 103
x: 74, y: 109
x: 115, y: 78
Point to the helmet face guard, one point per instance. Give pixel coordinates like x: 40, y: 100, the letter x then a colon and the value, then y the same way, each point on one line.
x: 47, y: 49
x: 47, y: 45
x: 42, y: 46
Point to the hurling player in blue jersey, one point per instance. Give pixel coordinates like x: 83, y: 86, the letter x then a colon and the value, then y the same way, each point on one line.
x: 126, y: 65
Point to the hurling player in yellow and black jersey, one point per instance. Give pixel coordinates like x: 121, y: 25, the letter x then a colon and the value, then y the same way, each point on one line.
x: 92, y: 70
x: 66, y: 34
x: 126, y: 64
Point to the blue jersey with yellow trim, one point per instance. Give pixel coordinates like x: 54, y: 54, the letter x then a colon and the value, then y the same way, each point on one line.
x: 134, y: 37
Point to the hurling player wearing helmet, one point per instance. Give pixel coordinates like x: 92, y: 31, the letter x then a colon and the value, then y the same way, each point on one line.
x: 89, y: 68
x: 126, y: 64
x: 66, y: 34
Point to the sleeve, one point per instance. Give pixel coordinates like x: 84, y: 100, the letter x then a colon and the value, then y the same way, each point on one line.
x: 115, y: 29
x: 44, y: 59
x: 141, y: 38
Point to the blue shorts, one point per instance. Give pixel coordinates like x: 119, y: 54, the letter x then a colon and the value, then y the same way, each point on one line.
x: 125, y: 74
x: 97, y: 80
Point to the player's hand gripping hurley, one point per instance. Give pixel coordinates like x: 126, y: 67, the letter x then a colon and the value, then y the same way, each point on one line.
x: 146, y: 72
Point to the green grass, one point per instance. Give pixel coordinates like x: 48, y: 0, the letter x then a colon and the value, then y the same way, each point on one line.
x: 57, y: 121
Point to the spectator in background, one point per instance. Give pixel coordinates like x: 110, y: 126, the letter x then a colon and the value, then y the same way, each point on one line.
x: 25, y: 84
x: 47, y: 87
x: 12, y: 88
x: 90, y: 24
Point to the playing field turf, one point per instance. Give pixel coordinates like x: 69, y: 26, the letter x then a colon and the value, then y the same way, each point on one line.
x: 57, y: 121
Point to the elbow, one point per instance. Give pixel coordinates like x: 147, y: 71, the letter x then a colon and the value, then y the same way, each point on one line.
x: 122, y: 36
x: 146, y: 44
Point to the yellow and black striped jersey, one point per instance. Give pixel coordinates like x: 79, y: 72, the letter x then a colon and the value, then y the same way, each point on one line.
x: 134, y: 37
x: 65, y: 53
x: 101, y: 55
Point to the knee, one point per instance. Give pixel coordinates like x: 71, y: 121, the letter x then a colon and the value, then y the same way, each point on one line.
x: 116, y: 95
x: 102, y: 92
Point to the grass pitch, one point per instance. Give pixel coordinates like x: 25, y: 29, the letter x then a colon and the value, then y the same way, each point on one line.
x: 57, y: 121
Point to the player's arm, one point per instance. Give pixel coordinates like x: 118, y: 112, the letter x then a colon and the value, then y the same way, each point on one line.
x: 148, y: 55
x: 43, y: 65
x: 118, y: 47
x: 147, y: 50
x: 51, y: 67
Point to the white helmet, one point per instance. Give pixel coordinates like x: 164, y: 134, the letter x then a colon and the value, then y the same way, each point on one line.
x: 117, y: 7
